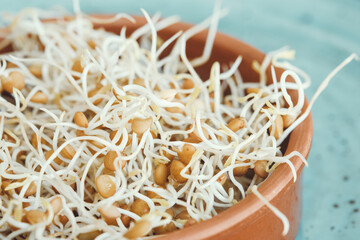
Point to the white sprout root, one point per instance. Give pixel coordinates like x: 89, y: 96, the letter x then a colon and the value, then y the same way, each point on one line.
x: 134, y: 113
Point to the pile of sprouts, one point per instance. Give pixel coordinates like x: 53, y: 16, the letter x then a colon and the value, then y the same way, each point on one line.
x: 101, y: 138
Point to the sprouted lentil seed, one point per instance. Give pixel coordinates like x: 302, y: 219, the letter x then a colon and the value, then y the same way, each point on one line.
x: 104, y: 139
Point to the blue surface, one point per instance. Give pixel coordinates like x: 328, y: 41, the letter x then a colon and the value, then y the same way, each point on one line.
x: 323, y: 32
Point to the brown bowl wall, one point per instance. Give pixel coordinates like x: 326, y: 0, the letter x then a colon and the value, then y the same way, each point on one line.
x: 249, y: 219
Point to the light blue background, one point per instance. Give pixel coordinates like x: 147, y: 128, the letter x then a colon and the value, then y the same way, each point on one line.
x: 323, y: 32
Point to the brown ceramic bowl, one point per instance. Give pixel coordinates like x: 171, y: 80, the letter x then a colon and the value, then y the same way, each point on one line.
x: 250, y: 218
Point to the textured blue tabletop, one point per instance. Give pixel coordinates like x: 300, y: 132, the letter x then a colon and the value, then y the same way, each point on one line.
x: 323, y: 33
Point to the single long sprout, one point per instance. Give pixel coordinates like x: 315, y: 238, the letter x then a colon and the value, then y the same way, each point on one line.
x: 276, y: 211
